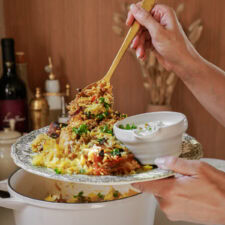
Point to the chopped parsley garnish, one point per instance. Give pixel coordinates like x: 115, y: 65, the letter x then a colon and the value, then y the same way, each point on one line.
x: 82, y: 171
x: 106, y: 129
x: 116, y: 152
x: 57, y: 171
x: 79, y: 195
x: 89, y: 115
x: 102, y: 101
x: 128, y: 127
x: 100, y: 195
x: 83, y: 129
x: 115, y: 194
x: 101, y: 141
x: 63, y: 125
x: 106, y: 113
x: 102, y: 116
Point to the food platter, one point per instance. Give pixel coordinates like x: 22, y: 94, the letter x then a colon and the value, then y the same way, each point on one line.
x: 22, y: 156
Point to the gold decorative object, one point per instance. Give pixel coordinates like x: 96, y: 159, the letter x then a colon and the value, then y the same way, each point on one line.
x: 39, y: 111
x: 158, y: 82
x: 49, y: 69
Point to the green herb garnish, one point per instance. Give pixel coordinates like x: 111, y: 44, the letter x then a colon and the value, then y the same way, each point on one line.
x: 106, y: 129
x: 83, y: 129
x: 82, y: 171
x: 100, y: 195
x: 101, y: 141
x: 102, y: 101
x: 79, y: 195
x: 116, y: 152
x: 116, y: 194
x: 89, y: 115
x: 121, y: 126
x: 100, y: 116
x: 57, y: 171
x: 128, y: 127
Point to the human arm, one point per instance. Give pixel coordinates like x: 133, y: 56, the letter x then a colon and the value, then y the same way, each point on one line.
x: 196, y: 196
x: 162, y: 33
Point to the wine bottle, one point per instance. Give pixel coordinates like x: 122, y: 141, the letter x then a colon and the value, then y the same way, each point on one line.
x: 13, y: 94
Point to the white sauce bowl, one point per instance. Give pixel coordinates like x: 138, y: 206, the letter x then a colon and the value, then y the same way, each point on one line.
x: 166, y: 141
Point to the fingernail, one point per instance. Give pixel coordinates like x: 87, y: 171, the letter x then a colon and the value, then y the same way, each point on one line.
x: 133, y: 7
x: 160, y: 162
x: 138, y: 52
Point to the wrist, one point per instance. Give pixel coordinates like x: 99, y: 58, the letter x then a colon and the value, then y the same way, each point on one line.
x: 190, y: 64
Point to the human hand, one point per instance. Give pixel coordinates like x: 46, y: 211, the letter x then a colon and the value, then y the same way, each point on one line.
x: 198, y: 196
x: 161, y: 31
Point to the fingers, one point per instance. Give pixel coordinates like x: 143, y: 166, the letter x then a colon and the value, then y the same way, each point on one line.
x: 164, y: 15
x: 178, y: 165
x: 130, y: 19
x: 145, y: 19
x: 157, y: 187
x: 136, y: 41
x: 140, y: 43
x: 140, y: 52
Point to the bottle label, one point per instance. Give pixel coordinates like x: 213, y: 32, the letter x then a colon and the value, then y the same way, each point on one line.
x: 14, y: 109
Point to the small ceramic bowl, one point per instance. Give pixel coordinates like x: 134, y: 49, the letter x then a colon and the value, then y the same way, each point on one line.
x: 160, y: 142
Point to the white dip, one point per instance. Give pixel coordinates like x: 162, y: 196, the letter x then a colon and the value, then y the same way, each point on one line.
x: 148, y: 128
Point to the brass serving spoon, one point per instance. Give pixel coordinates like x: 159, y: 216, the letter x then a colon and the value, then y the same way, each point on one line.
x: 147, y: 5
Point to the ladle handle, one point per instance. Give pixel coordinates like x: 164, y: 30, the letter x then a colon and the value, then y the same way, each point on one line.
x: 147, y: 5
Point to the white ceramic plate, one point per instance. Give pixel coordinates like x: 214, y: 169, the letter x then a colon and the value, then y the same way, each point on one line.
x: 22, y: 156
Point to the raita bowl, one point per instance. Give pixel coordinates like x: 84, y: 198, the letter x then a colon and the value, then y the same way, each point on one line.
x: 162, y: 141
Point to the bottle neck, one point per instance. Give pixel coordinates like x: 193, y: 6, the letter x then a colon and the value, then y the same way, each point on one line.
x: 9, y: 69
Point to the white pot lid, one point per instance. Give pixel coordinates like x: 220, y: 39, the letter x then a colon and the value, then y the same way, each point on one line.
x: 8, y: 135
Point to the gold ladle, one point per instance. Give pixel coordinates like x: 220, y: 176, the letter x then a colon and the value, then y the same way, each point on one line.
x: 147, y: 5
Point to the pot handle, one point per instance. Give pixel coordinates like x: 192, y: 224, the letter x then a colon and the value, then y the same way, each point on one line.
x: 9, y: 202
x: 3, y: 185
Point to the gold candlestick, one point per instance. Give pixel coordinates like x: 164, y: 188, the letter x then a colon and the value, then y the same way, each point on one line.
x: 39, y: 111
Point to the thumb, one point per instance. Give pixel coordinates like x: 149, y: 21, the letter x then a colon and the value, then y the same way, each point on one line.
x: 145, y: 19
x: 178, y: 165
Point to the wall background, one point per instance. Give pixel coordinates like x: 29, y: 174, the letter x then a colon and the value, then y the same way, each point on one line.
x: 2, y: 28
x: 78, y: 36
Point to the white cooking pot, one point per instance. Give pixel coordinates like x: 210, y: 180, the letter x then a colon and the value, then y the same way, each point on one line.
x: 28, y: 191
